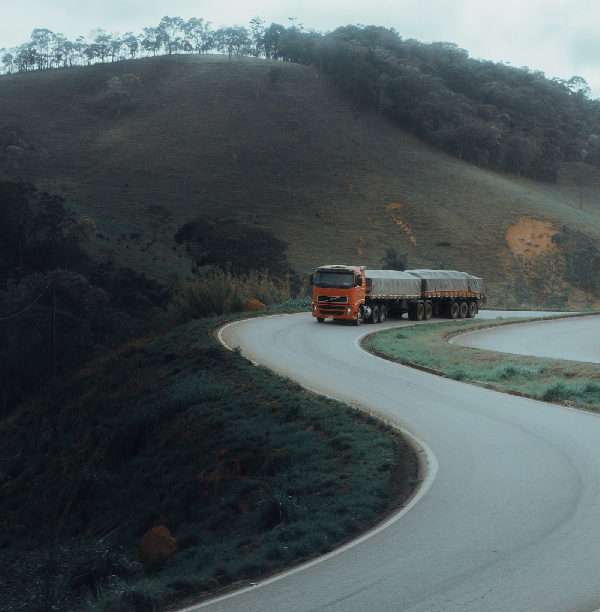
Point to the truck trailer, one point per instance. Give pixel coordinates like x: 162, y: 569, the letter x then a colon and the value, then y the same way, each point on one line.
x: 353, y: 293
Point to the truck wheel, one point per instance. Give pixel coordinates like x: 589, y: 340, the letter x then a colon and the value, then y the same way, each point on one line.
x: 320, y: 320
x: 473, y: 310
x: 454, y: 310
x: 375, y: 315
x: 420, y: 311
x: 428, y: 311
x: 360, y: 316
x: 464, y: 310
x: 382, y: 314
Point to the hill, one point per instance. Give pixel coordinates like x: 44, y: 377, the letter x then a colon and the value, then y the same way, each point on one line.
x: 205, y: 137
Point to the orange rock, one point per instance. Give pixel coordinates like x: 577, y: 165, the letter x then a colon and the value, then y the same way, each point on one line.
x: 252, y: 305
x: 157, y: 544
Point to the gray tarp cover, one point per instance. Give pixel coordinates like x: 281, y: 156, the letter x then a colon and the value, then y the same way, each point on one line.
x: 392, y: 282
x: 449, y: 280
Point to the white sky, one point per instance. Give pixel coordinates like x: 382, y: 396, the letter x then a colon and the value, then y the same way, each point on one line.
x: 558, y: 37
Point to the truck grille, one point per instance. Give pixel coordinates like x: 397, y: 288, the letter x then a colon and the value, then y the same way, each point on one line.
x: 332, y: 299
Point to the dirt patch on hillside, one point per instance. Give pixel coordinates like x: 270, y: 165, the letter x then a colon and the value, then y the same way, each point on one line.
x: 531, y: 237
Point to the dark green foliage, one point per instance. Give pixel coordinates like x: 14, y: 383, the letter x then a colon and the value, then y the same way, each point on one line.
x: 582, y: 258
x: 33, y: 230
x: 393, y: 260
x: 247, y: 471
x: 556, y: 393
x: 234, y: 247
x: 276, y: 507
x: 60, y: 577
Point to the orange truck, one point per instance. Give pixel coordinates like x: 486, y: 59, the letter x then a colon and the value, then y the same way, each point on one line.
x: 353, y: 293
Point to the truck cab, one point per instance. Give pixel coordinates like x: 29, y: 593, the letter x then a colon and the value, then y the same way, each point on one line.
x: 338, y: 292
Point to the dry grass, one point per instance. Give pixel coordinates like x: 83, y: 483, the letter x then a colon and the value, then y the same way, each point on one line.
x: 206, y: 137
x: 222, y: 292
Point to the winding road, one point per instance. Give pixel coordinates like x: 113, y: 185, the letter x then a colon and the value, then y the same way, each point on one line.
x: 507, y: 519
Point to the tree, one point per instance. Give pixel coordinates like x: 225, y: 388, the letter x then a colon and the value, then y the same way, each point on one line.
x: 28, y: 222
x: 132, y: 44
x: 152, y: 40
x: 122, y: 88
x: 42, y: 40
x: 158, y: 218
x: 257, y: 31
x: 272, y: 41
x: 198, y: 34
x: 393, y: 260
x: 233, y: 40
x: 172, y: 28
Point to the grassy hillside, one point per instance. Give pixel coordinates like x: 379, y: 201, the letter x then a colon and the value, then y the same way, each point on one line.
x: 203, y: 136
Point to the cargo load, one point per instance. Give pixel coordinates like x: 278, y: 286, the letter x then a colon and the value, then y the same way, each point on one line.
x: 393, y: 283
x: 443, y: 281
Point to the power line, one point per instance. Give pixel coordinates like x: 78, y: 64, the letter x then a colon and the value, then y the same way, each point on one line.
x: 30, y: 305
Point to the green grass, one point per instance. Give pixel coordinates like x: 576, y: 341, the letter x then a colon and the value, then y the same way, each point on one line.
x: 249, y: 472
x: 567, y: 382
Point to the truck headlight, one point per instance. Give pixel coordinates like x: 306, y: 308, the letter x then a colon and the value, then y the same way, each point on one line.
x: 315, y: 307
x: 349, y: 310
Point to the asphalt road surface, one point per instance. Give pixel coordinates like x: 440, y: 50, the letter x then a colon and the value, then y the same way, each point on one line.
x: 570, y: 338
x: 508, y: 518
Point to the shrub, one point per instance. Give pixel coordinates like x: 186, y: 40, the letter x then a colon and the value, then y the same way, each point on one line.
x: 220, y: 292
x: 556, y: 393
x: 276, y: 507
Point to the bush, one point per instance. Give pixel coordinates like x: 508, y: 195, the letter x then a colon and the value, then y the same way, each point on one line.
x: 556, y: 393
x: 275, y: 507
x: 220, y: 293
x: 57, y: 578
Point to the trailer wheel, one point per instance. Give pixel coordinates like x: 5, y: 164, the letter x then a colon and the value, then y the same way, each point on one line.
x: 360, y: 316
x: 428, y: 311
x: 454, y: 310
x: 375, y: 315
x: 473, y: 310
x: 420, y: 311
x: 382, y: 314
x: 464, y: 310
x: 320, y: 320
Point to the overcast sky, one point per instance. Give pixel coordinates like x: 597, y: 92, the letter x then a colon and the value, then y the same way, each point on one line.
x: 558, y: 37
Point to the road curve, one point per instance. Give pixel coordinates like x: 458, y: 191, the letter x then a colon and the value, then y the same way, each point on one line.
x: 510, y: 523
x: 571, y: 338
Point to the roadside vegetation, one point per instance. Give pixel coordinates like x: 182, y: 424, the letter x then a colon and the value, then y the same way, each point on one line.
x: 140, y: 461
x: 572, y: 383
x: 247, y: 471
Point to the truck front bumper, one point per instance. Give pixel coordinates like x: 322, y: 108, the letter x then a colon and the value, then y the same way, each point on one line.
x: 333, y: 311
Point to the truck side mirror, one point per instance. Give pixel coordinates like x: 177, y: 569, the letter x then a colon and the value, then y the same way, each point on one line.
x: 358, y: 281
x: 311, y: 279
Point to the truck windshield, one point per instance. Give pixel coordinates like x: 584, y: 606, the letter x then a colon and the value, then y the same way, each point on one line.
x: 334, y: 279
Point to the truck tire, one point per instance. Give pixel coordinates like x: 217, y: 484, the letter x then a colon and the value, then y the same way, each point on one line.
x: 375, y: 315
x: 320, y: 320
x: 428, y: 311
x: 420, y: 311
x: 473, y: 310
x: 464, y: 310
x: 454, y: 310
x: 360, y: 316
x: 383, y: 314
